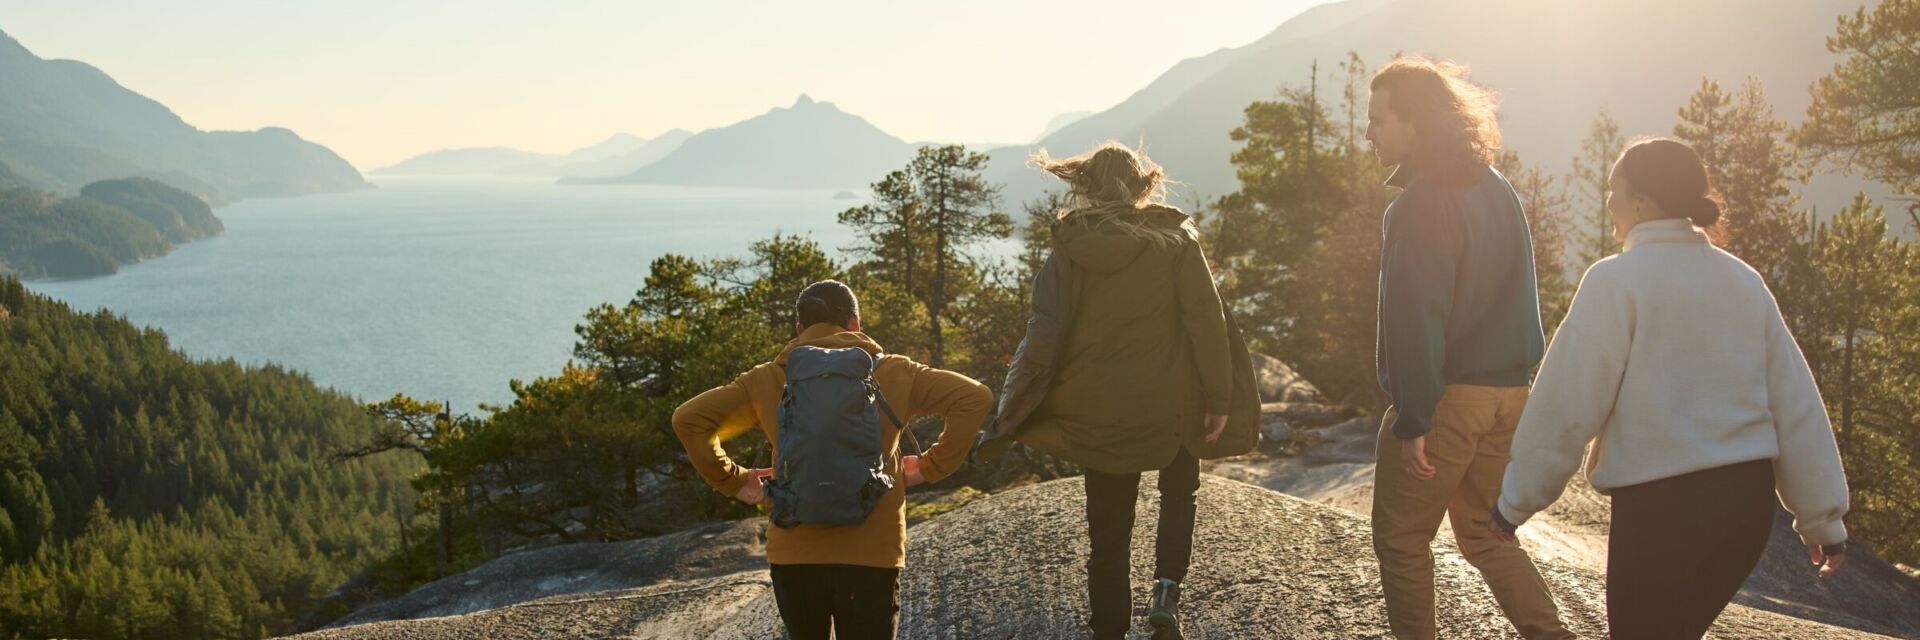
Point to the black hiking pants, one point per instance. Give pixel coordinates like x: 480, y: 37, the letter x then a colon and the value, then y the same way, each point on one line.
x: 1680, y: 548
x: 1110, y: 499
x: 855, y: 603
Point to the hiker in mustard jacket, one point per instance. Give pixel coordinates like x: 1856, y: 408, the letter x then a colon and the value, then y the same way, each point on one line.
x: 846, y: 577
x: 1130, y: 364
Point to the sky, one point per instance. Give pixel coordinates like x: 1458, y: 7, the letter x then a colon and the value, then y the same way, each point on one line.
x: 379, y: 81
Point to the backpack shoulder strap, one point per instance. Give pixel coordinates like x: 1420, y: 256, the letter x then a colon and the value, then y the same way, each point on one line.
x: 786, y: 396
x: 880, y: 400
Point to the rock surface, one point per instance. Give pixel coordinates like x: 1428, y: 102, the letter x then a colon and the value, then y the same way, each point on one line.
x: 1336, y: 469
x: 1278, y: 382
x: 570, y: 570
x: 1011, y: 565
x: 1279, y: 421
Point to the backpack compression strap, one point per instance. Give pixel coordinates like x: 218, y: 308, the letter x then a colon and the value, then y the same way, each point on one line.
x: 880, y: 400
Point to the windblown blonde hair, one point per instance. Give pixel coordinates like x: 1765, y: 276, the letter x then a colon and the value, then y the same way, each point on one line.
x: 1113, y: 179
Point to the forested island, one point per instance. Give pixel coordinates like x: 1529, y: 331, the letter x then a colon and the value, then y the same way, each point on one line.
x: 111, y: 223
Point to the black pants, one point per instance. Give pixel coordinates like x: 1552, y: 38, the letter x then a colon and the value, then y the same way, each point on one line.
x: 855, y: 603
x: 1680, y: 548
x: 1110, y: 498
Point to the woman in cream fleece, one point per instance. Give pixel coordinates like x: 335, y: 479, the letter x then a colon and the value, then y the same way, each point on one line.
x: 1675, y: 364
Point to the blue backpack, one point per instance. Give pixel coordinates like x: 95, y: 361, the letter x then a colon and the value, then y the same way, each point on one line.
x: 832, y: 467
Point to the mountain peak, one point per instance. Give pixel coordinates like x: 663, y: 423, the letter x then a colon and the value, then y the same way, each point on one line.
x: 809, y: 145
x: 10, y: 47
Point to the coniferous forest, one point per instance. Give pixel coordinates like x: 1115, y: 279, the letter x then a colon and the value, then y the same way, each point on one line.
x: 148, y: 495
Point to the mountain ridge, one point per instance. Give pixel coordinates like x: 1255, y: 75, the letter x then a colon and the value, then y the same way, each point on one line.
x: 811, y: 144
x: 67, y: 123
x: 1552, y: 83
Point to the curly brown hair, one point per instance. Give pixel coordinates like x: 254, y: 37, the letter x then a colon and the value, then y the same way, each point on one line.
x: 1455, y: 121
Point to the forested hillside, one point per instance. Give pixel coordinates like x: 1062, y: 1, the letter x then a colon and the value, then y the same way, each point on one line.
x: 147, y: 495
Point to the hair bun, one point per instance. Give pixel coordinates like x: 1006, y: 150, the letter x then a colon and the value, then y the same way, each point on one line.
x: 1705, y: 211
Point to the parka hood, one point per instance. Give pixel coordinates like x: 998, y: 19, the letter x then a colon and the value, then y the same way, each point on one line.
x: 1105, y: 240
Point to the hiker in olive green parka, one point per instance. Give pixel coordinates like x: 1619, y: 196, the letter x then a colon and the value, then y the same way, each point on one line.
x: 1130, y: 364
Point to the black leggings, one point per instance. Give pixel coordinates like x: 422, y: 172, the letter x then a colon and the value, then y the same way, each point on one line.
x: 855, y: 603
x: 1681, y: 547
x: 1110, y: 499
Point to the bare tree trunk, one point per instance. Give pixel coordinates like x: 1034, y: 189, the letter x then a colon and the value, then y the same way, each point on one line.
x: 939, y: 292
x: 446, y: 535
x: 632, y: 494
x: 937, y: 305
x: 910, y: 239
x: 1846, y: 390
x: 406, y: 546
x: 1313, y: 114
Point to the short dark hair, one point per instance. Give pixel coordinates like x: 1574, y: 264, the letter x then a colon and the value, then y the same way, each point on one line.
x: 829, y: 301
x: 1670, y: 173
x: 1455, y: 122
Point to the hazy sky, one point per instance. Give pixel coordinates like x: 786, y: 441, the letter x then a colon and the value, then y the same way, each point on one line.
x: 381, y: 80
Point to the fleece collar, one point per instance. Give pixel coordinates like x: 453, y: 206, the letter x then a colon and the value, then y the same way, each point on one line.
x: 1664, y: 230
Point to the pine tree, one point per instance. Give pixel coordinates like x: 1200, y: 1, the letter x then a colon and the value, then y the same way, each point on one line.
x: 1297, y: 246
x: 1864, y: 114
x: 1702, y: 121
x: 1036, y: 236
x: 959, y: 212
x: 890, y: 228
x: 1856, y: 311
x: 1752, y: 167
x: 1591, y: 171
x: 1544, y: 199
x: 920, y: 224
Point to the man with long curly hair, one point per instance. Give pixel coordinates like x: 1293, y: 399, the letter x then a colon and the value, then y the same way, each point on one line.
x: 1459, y: 335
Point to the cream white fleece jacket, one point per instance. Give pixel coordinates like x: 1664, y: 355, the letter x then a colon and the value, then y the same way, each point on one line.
x: 1674, y: 359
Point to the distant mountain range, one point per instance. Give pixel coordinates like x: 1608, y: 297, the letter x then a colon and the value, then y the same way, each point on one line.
x: 810, y: 144
x: 620, y: 154
x: 807, y: 145
x: 1060, y: 122
x: 64, y: 124
x: 1555, y: 63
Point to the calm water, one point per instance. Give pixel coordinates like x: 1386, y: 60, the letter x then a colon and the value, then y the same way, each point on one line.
x: 440, y: 289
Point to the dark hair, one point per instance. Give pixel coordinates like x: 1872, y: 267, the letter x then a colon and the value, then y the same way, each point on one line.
x: 1455, y: 122
x: 1671, y: 174
x: 829, y: 301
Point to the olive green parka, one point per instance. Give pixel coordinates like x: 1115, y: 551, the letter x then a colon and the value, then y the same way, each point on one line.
x: 1128, y: 347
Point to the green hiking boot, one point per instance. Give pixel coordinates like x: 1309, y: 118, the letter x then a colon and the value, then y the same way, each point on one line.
x: 1165, y: 614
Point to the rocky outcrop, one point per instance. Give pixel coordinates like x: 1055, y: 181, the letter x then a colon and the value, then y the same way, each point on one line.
x: 1279, y: 382
x: 1334, y: 466
x: 1011, y: 565
x: 1281, y: 421
x: 574, y: 569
